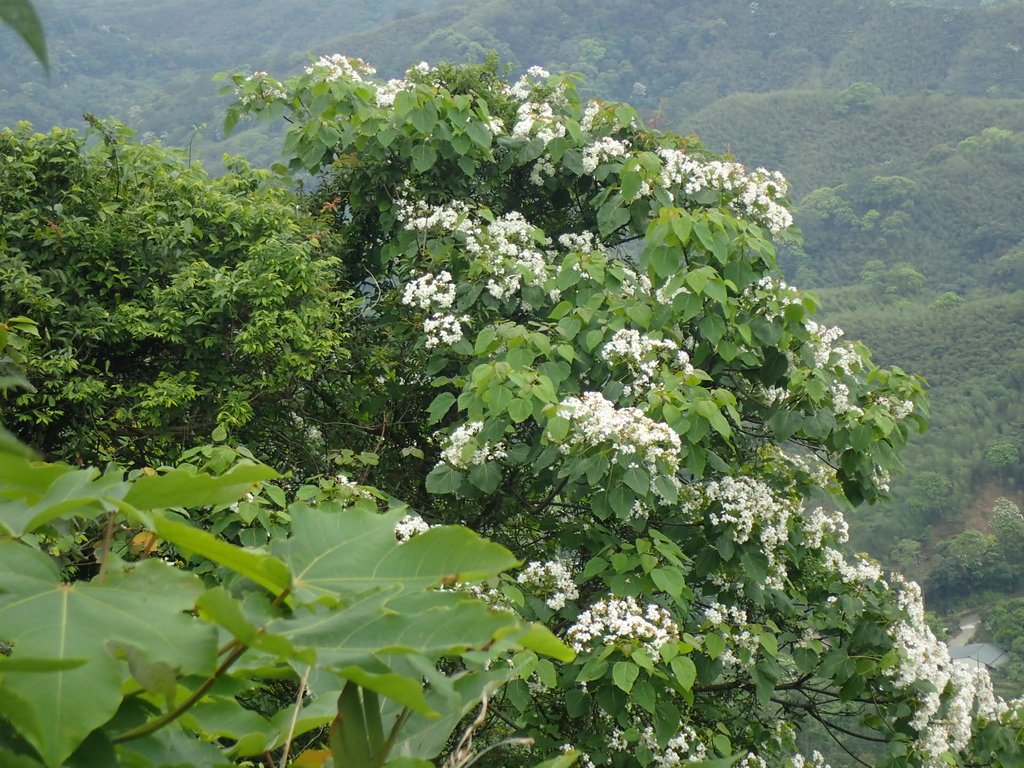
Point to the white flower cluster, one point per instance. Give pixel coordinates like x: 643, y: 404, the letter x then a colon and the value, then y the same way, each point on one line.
x: 621, y: 620
x: 543, y: 169
x: 442, y: 328
x: 509, y: 250
x: 584, y: 758
x: 944, y: 714
x: 1006, y: 511
x: 430, y: 291
x: 350, y: 490
x: 830, y: 355
x: 820, y: 523
x: 385, y: 96
x: 746, y: 504
x: 454, y: 451
x: 552, y: 580
x: 899, y: 409
x: 601, y: 150
x: 817, y: 760
x: 533, y: 77
x: 754, y: 195
x: 537, y: 120
x: 589, y: 113
x: 860, y: 571
x: 596, y: 421
x: 682, y: 748
x: 421, y: 217
x: 759, y: 297
x: 718, y: 614
x: 836, y: 359
x: 337, y: 67
x: 641, y: 354
x: 269, y: 90
x: 409, y: 526
x: 821, y: 473
x: 578, y: 242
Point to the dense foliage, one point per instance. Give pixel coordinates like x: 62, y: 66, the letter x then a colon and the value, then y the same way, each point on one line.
x: 571, y: 327
x: 625, y: 395
x: 173, y: 303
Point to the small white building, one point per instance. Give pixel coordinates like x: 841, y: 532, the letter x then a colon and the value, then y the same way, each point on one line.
x: 979, y: 655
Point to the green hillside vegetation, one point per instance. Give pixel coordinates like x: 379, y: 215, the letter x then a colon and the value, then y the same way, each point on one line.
x: 929, y: 180
x: 970, y: 355
x: 696, y: 52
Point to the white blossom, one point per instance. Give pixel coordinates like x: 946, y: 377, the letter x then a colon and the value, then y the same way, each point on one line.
x: 337, y: 67
x: 552, y: 580
x: 754, y: 195
x: 618, y: 620
x: 596, y: 421
x: 601, y: 150
x: 443, y: 329
x: 409, y: 526
x: 455, y: 447
x: 429, y: 291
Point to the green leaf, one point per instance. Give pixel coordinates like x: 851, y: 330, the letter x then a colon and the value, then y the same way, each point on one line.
x: 48, y: 620
x: 23, y: 19
x: 479, y: 133
x: 185, y: 486
x: 440, y: 406
x: 33, y: 494
x: 562, y: 761
x: 383, y: 622
x: 427, y: 736
x: 624, y: 674
x: 404, y: 690
x: 669, y: 580
x: 260, y: 567
x: 637, y: 479
x: 714, y: 645
x: 423, y: 158
x: 28, y: 664
x: 335, y: 551
x: 444, y: 478
x: 424, y: 118
x: 486, y: 476
x: 684, y: 670
x: 611, y: 216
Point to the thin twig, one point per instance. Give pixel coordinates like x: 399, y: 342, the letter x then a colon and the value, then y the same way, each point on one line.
x: 108, y: 541
x: 295, y: 716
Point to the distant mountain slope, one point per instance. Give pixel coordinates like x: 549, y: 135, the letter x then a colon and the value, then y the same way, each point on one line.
x: 696, y: 52
x: 957, y: 213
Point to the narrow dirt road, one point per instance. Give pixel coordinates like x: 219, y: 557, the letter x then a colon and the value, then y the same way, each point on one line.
x: 968, y: 626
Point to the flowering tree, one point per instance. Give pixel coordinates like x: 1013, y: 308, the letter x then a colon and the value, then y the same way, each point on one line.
x: 580, y: 339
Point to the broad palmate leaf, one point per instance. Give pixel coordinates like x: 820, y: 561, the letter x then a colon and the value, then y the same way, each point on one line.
x: 335, y: 552
x: 138, y: 611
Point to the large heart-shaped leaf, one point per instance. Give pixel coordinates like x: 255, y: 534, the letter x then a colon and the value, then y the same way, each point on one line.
x: 185, y: 486
x: 336, y: 551
x: 139, y: 607
x: 378, y: 622
x: 32, y: 493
